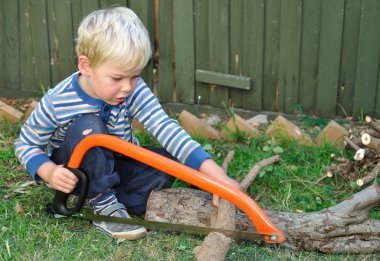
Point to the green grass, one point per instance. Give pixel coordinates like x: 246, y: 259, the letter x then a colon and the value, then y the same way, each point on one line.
x: 26, y: 233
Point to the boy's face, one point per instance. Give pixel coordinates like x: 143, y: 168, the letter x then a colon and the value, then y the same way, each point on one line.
x: 110, y: 82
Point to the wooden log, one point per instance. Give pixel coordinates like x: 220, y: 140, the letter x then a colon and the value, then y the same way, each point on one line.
x: 10, y: 114
x: 220, y: 244
x: 195, y: 126
x: 360, y: 154
x: 281, y: 127
x: 236, y: 124
x: 352, y: 144
x: 370, y: 177
x: 332, y: 134
x: 346, y: 228
x: 372, y: 124
x: 216, y: 245
x: 371, y: 142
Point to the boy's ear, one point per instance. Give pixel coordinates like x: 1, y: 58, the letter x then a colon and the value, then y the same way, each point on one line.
x: 84, y: 65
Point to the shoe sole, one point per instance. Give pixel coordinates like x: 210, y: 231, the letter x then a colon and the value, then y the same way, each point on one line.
x: 122, y: 235
x: 134, y: 236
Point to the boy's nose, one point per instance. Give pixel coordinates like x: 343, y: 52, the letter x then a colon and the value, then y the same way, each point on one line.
x: 126, y: 85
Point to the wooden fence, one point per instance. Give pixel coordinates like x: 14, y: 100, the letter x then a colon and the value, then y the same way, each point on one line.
x: 320, y: 57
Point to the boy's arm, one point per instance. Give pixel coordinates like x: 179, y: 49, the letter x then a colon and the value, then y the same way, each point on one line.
x: 34, y: 137
x: 144, y: 106
x: 210, y: 168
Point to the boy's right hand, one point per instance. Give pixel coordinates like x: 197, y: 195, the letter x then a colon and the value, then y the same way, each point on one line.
x: 59, y: 177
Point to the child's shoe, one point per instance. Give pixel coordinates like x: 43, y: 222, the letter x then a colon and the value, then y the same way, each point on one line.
x: 107, y: 205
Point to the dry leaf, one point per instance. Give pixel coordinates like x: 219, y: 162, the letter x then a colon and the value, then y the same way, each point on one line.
x: 19, y: 208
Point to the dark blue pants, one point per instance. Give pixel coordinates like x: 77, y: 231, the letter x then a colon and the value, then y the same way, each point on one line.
x: 132, y: 180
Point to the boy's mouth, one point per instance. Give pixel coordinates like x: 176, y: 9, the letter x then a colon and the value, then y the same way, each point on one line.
x: 119, y: 100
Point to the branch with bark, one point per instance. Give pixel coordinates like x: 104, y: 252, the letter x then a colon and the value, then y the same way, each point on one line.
x: 344, y: 228
x: 216, y: 245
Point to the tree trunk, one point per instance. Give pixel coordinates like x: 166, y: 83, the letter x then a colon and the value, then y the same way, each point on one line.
x: 344, y: 228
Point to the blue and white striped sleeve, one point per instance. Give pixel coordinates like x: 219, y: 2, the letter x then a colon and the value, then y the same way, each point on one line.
x: 144, y: 106
x: 35, y: 135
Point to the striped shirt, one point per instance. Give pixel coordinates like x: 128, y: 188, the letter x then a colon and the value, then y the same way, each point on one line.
x: 46, y: 127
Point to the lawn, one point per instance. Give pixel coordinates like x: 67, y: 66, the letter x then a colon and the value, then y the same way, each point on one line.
x: 26, y: 233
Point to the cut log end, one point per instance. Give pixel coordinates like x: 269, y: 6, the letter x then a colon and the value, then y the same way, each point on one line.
x: 360, y: 182
x: 368, y: 119
x: 360, y: 154
x: 366, y: 139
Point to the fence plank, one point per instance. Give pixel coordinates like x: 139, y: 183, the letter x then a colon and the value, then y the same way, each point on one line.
x: 271, y: 51
x: 145, y: 12
x: 2, y: 47
x: 253, y: 50
x: 60, y: 40
x: 112, y: 3
x: 165, y: 85
x: 329, y: 56
x: 236, y: 49
x: 11, y: 45
x: 34, y: 47
x: 184, y: 57
x: 201, y: 10
x: 218, y: 48
x: 88, y: 6
x: 351, y: 28
x: 309, y: 54
x: 76, y: 16
x: 290, y: 44
x: 368, y: 58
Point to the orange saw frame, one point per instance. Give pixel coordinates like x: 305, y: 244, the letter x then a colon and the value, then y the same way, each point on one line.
x: 262, y: 223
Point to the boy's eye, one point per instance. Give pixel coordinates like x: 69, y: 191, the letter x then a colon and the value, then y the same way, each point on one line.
x: 116, y: 78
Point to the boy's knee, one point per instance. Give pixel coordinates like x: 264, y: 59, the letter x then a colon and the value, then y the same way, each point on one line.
x: 89, y: 124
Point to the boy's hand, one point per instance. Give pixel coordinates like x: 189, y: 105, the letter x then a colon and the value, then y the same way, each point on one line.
x: 229, y: 181
x: 210, y: 168
x: 58, y: 177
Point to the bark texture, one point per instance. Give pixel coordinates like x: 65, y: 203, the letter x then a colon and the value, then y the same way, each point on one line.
x: 344, y: 228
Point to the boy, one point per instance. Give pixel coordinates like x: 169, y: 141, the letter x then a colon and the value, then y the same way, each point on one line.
x: 103, y: 97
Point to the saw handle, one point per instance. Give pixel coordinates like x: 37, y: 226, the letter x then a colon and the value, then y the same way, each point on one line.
x: 59, y: 204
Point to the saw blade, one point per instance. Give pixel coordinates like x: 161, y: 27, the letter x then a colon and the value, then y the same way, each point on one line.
x: 183, y: 228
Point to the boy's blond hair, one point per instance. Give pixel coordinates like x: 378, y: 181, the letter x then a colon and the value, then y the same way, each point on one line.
x: 115, y: 34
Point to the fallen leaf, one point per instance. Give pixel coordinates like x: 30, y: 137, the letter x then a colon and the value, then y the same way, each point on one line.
x: 19, y: 208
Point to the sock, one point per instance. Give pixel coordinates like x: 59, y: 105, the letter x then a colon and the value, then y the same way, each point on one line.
x: 104, y: 200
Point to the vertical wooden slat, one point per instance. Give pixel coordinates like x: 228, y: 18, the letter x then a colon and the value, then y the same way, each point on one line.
x: 368, y: 58
x: 60, y: 40
x: 165, y: 83
x: 34, y: 47
x: 112, y: 3
x: 236, y: 49
x: 253, y: 52
x: 76, y: 16
x: 2, y: 47
x: 12, y: 44
x: 271, y: 57
x: 329, y: 56
x: 351, y: 28
x: 311, y: 16
x: 218, y: 48
x: 184, y: 50
x: 201, y: 8
x: 144, y: 10
x: 290, y: 43
x: 89, y: 6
